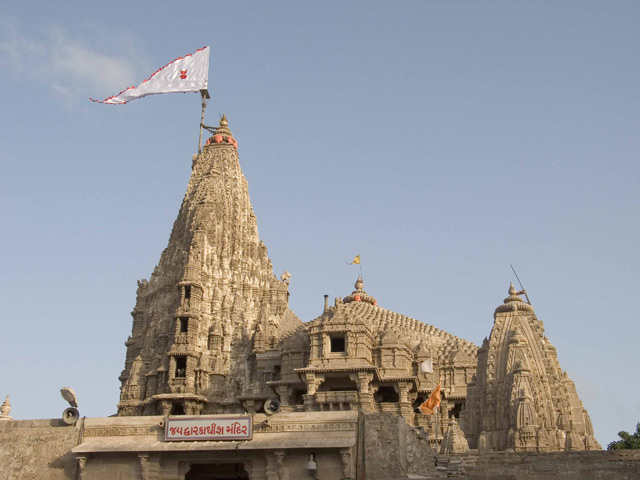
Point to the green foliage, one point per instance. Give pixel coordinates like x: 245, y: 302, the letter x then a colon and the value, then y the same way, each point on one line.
x: 628, y: 440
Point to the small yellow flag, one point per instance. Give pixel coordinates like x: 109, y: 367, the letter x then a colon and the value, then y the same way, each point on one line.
x: 356, y: 260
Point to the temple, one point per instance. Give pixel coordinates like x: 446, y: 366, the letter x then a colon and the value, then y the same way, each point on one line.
x: 223, y: 381
x: 213, y: 333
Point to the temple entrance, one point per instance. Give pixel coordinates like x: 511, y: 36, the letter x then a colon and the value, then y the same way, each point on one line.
x: 217, y: 471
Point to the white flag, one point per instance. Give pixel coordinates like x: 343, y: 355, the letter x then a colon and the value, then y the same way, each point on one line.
x: 427, y: 366
x: 185, y: 74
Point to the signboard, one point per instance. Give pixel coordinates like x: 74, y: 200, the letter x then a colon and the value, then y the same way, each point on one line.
x: 219, y: 427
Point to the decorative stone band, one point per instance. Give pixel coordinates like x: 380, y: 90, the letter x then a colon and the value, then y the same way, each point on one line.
x: 120, y: 431
x: 514, y: 306
x: 307, y: 427
x: 354, y: 368
x: 285, y: 382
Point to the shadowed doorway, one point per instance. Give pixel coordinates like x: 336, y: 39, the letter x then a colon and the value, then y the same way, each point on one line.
x: 217, y: 471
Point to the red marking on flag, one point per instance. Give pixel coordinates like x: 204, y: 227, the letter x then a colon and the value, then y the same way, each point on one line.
x: 183, y: 74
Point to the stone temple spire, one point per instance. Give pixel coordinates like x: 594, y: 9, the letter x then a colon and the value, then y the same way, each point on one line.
x: 194, y: 319
x: 520, y: 399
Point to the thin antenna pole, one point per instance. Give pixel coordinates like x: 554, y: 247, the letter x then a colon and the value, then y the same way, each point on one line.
x: 205, y: 96
x: 521, y: 287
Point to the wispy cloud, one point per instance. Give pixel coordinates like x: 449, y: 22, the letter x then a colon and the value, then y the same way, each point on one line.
x: 71, y: 68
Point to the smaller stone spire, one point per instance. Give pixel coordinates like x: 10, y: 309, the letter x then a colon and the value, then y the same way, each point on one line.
x: 5, y: 409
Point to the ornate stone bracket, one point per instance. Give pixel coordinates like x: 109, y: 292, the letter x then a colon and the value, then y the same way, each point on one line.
x: 144, y: 466
x: 279, y: 454
x: 346, y: 463
x: 82, y: 462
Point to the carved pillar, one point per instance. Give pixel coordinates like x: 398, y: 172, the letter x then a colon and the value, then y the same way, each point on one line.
x: 365, y: 393
x: 406, y: 409
x: 309, y: 403
x: 279, y: 454
x: 284, y: 392
x: 82, y: 462
x: 257, y: 468
x: 346, y: 463
x: 183, y: 468
x: 272, y: 467
x: 313, y: 381
x: 144, y: 466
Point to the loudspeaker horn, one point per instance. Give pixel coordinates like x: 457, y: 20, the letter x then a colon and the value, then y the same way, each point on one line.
x: 271, y: 406
x: 70, y: 416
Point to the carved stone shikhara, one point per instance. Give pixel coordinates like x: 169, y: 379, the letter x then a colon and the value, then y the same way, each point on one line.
x: 520, y: 399
x: 213, y: 333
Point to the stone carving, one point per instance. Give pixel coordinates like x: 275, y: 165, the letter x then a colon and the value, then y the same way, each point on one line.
x: 118, y: 431
x: 82, y: 463
x: 285, y: 277
x: 5, y: 409
x: 454, y: 441
x: 307, y: 427
x: 144, y: 466
x: 520, y: 388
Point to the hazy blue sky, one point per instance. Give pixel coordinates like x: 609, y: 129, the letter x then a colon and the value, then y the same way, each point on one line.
x: 442, y: 141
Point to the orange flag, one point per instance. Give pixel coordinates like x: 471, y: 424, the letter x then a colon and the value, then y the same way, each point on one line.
x: 432, y: 402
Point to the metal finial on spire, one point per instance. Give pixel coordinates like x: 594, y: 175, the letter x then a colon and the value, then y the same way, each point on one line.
x: 223, y: 129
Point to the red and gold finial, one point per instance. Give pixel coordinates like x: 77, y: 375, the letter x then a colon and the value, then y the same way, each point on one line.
x: 223, y: 134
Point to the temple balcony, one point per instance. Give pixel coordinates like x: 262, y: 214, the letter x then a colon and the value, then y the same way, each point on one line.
x: 339, y: 400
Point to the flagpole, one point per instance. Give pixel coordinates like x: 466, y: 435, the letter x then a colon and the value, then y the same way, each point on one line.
x: 204, y: 93
x: 437, y: 412
x: 523, y: 290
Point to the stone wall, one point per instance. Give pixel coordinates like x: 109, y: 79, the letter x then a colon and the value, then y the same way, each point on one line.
x: 389, y: 450
x: 587, y: 465
x: 391, y: 447
x: 594, y: 465
x: 37, y: 449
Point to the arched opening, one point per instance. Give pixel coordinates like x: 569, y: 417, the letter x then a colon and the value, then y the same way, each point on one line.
x: 217, y: 471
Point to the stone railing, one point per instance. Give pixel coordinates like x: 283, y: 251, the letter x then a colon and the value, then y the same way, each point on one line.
x: 337, y: 400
